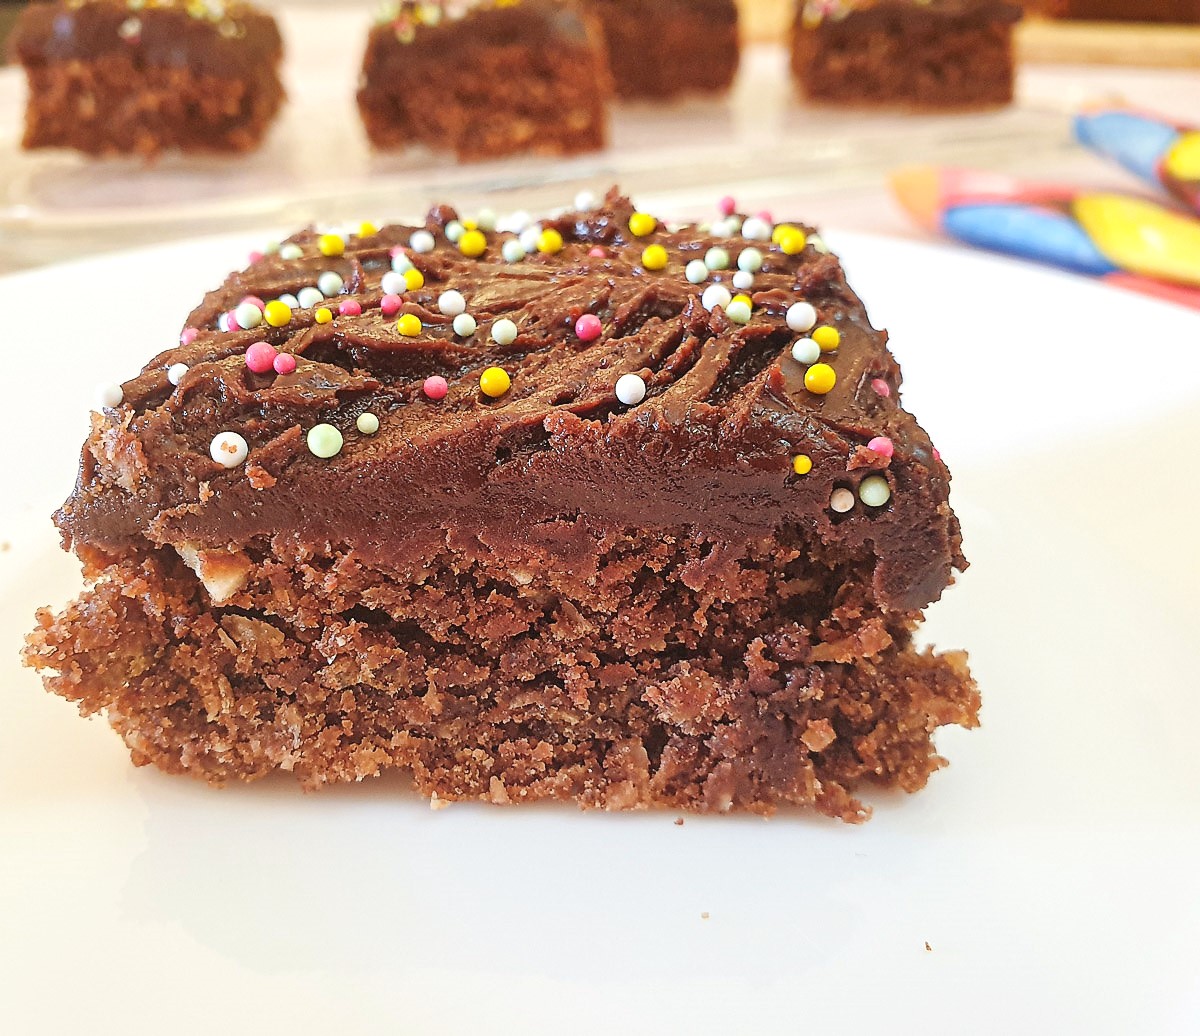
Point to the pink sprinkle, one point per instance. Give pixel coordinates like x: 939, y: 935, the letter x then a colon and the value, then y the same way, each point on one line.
x: 882, y: 445
x: 390, y: 305
x: 285, y: 363
x: 254, y: 300
x: 597, y: 253
x: 937, y: 454
x: 189, y: 335
x: 260, y: 357
x: 435, y: 387
x: 350, y: 308
x: 256, y: 257
x: 231, y: 322
x: 588, y: 327
x: 765, y: 216
x: 398, y: 251
x: 727, y: 206
x: 881, y: 387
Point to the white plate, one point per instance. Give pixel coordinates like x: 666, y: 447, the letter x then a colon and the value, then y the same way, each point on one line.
x: 1046, y: 881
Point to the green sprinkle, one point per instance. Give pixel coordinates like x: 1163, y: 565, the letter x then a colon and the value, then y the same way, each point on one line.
x: 874, y: 491
x: 324, y: 441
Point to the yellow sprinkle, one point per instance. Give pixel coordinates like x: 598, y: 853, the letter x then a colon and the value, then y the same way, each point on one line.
x: 494, y: 382
x: 469, y: 224
x: 367, y: 229
x: 323, y: 314
x: 472, y: 244
x: 792, y: 241
x: 802, y: 464
x: 331, y: 244
x: 550, y: 242
x: 409, y: 325
x: 642, y: 223
x: 277, y: 313
x: 744, y: 298
x: 655, y: 258
x: 779, y: 231
x: 828, y: 338
x: 820, y: 379
x: 413, y: 279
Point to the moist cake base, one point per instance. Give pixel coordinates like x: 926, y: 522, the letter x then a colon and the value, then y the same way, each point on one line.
x: 620, y: 668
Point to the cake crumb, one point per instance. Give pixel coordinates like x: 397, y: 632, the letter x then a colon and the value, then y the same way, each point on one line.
x: 679, y: 821
x: 436, y: 803
x: 704, y: 916
x: 928, y: 948
x: 5, y: 547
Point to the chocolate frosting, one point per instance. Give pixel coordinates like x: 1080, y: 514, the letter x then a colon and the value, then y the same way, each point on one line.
x: 711, y: 447
x: 221, y: 39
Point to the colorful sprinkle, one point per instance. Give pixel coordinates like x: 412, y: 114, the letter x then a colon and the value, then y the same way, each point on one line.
x: 485, y: 219
x: 791, y: 241
x: 454, y: 231
x: 874, y: 491
x: 285, y: 363
x: 368, y: 424
x: 504, y: 332
x: 323, y: 315
x: 451, y: 303
x: 529, y: 238
x: 330, y: 283
x: 248, y: 315
x: 586, y: 201
x: 289, y: 301
x: 494, y: 382
x: 802, y: 464
x: 512, y: 250
x: 655, y: 258
x: 393, y: 283
x: 841, y: 501
x: 588, y: 327
x: 806, y: 351
x: 176, y: 372
x: 828, y: 338
x: 414, y: 279
x: 727, y: 206
x: 409, y: 325
x: 390, y: 304
x: 881, y: 387
x: 228, y: 449
x: 882, y: 445
x: 743, y: 281
x: 260, y: 357
x: 422, y: 242
x: 802, y: 318
x: 596, y: 252
x: 290, y: 251
x: 715, y: 295
x: 324, y: 441
x: 307, y: 297
x: 716, y: 259
x: 435, y: 387
x: 750, y: 260
x: 330, y: 244
x: 819, y: 379
x: 550, y: 242
x: 739, y: 310
x: 350, y: 308
x: 756, y: 229
x: 367, y: 229
x: 278, y: 313
x: 110, y: 396
x: 465, y: 325
x: 696, y: 271
x: 400, y: 260
x: 472, y: 244
x: 642, y: 223
x: 189, y: 335
x: 631, y: 389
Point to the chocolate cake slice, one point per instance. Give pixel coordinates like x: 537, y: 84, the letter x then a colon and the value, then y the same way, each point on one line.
x: 600, y: 509
x: 924, y: 53
x: 485, y: 78
x: 138, y: 77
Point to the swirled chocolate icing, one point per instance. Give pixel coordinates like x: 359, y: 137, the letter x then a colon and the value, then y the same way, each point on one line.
x: 711, y: 446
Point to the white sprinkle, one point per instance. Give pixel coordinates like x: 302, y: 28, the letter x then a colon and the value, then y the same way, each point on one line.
x: 176, y: 372
x: 818, y: 243
x: 307, y: 297
x: 802, y: 318
x: 248, y: 315
x: 401, y: 263
x: 451, y: 303
x: 330, y: 284
x: 755, y: 229
x: 465, y: 325
x: 512, y: 250
x: 514, y: 222
x: 393, y: 283
x: 806, y: 351
x: 110, y: 395
x: 585, y: 201
x: 229, y: 449
x: 716, y: 259
x: 696, y: 271
x: 223, y: 322
x: 529, y: 237
x: 130, y: 29
x: 750, y: 260
x: 738, y: 311
x: 504, y: 332
x: 486, y: 220
x: 290, y: 301
x: 874, y: 491
x: 290, y: 251
x: 725, y: 227
x: 841, y: 500
x: 631, y: 390
x: 715, y: 295
x: 743, y: 281
x: 368, y: 424
x: 422, y: 242
x: 454, y: 231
